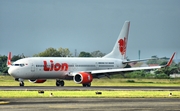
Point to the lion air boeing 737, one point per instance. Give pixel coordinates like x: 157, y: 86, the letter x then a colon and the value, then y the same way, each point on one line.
x: 81, y: 70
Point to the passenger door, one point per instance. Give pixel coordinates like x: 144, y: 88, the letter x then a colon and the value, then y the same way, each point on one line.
x: 32, y: 67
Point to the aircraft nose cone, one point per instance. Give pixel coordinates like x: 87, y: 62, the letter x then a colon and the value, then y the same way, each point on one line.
x: 10, y: 71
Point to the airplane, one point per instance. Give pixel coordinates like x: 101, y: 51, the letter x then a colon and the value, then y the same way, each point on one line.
x: 81, y: 70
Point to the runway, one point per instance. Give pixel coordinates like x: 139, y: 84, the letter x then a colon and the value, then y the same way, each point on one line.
x: 91, y: 104
x: 48, y: 88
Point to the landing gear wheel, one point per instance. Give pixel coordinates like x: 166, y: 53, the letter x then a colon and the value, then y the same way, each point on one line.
x: 87, y: 85
x: 59, y: 83
x: 21, y: 83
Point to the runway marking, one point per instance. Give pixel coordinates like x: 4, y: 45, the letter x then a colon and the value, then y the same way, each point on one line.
x: 4, y: 102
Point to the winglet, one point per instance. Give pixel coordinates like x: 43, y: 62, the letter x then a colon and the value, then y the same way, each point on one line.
x: 9, y: 60
x: 170, y: 60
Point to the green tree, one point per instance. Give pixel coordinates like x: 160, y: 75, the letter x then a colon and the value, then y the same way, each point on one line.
x: 178, y: 67
x: 167, y: 71
x: 161, y: 76
x: 52, y: 52
x: 84, y: 54
x: 97, y: 54
x: 64, y: 52
x: 160, y: 61
x: 3, y: 61
x: 16, y: 57
x: 5, y: 69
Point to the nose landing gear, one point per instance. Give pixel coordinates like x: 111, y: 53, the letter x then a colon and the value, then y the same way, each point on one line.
x: 60, y: 83
x: 21, y: 82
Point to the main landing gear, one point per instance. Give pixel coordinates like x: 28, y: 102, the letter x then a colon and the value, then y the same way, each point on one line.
x: 86, y: 85
x: 59, y: 83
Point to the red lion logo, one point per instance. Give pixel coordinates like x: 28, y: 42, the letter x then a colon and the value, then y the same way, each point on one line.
x: 122, y: 45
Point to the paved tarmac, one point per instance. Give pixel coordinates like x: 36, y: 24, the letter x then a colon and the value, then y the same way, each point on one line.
x: 47, y: 88
x: 91, y: 104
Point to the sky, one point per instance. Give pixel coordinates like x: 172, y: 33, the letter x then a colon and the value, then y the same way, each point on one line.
x: 32, y: 26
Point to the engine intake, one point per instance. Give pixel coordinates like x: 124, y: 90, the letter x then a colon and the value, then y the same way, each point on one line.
x: 83, y: 78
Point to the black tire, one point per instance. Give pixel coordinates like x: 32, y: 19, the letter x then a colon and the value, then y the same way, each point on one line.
x: 60, y: 83
x: 57, y: 83
x: 86, y: 85
x: 21, y: 83
x: 89, y: 85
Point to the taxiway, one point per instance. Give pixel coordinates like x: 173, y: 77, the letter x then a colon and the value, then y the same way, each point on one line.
x: 35, y: 88
x: 91, y: 104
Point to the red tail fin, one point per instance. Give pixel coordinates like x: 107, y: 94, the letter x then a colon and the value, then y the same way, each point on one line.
x: 9, y: 59
x: 119, y: 50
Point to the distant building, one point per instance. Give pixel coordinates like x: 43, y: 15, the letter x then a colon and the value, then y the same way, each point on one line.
x: 174, y: 75
x: 150, y: 65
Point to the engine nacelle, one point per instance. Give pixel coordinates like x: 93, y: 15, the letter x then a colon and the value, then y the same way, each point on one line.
x: 37, y: 80
x: 83, y: 78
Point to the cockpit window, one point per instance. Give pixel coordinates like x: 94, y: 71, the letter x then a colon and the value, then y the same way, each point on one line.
x: 21, y: 65
x: 18, y: 65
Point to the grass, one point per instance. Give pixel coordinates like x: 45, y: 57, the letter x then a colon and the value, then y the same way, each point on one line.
x: 9, y: 81
x: 90, y: 94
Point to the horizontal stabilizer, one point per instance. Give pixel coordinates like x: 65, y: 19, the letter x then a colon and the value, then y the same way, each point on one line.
x: 124, y: 62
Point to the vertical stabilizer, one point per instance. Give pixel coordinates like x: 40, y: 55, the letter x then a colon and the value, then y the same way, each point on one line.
x: 119, y: 50
x: 9, y: 60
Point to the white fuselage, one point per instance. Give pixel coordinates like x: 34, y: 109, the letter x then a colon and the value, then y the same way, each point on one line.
x: 59, y: 67
x: 81, y: 70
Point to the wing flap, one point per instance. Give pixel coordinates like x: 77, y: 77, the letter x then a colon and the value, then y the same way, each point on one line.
x: 124, y: 69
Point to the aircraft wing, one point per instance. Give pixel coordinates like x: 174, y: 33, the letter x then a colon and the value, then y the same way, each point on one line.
x: 109, y: 71
x: 124, y: 69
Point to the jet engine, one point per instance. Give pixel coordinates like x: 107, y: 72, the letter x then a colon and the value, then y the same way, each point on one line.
x: 83, y: 78
x: 37, y: 80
